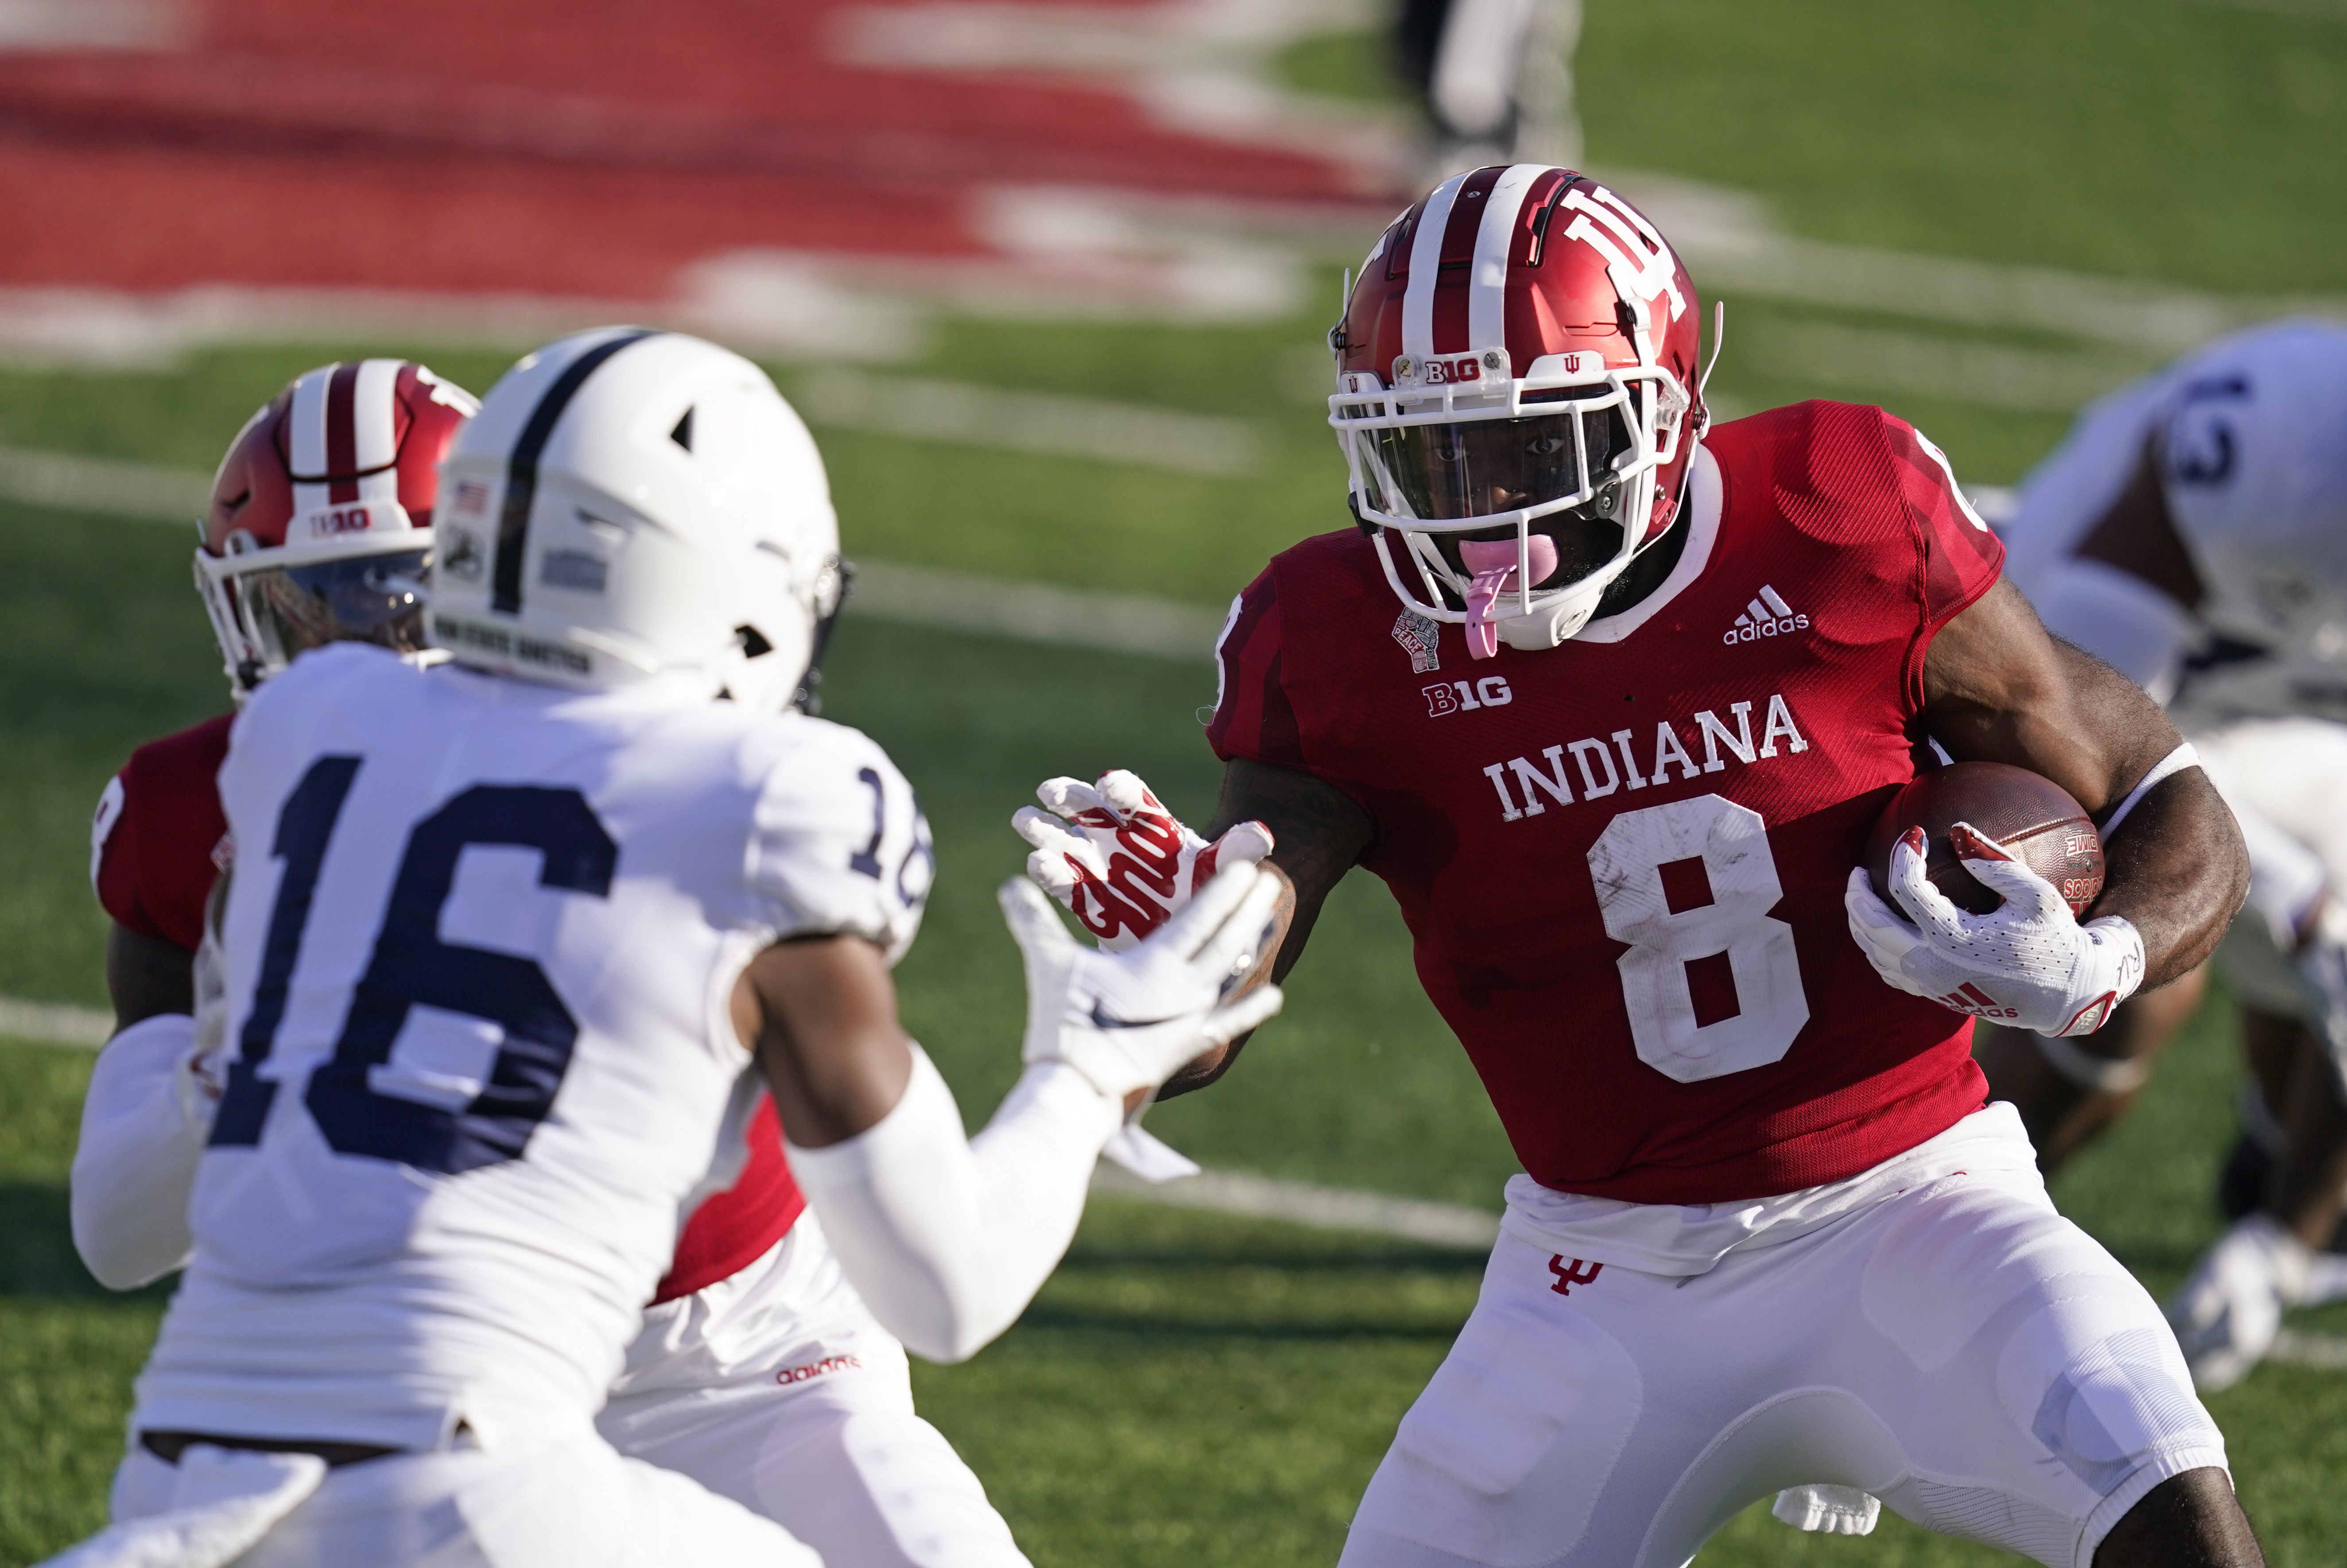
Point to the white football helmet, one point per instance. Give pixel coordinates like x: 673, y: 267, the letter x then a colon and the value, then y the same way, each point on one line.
x: 632, y: 506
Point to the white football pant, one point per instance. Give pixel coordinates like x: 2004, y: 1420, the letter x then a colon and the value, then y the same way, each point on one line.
x: 536, y: 1504
x: 776, y: 1388
x: 1956, y: 1348
x: 2286, y: 779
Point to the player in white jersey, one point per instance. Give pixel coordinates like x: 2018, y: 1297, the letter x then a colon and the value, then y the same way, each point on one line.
x: 2192, y: 530
x: 758, y: 1371
x: 508, y: 932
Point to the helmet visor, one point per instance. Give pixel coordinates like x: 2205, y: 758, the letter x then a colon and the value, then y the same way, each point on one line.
x: 1463, y: 470
x: 375, y: 598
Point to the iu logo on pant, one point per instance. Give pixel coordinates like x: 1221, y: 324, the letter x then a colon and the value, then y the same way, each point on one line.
x: 1569, y: 1274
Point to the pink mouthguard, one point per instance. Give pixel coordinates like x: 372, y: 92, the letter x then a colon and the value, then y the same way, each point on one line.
x: 1493, y: 562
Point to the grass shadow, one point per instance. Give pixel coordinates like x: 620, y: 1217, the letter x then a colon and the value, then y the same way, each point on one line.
x: 38, y: 1261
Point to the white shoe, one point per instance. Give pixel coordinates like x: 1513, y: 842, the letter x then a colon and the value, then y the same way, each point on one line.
x: 2228, y: 1313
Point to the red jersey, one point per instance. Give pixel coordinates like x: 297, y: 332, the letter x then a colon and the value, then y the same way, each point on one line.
x: 160, y: 840
x: 1622, y: 860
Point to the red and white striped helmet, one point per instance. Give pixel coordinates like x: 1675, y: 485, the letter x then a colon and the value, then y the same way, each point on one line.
x: 1517, y: 363
x: 321, y: 522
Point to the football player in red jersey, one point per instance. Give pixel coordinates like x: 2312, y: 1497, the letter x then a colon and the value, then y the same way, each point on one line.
x: 1609, y: 698
x: 759, y: 1370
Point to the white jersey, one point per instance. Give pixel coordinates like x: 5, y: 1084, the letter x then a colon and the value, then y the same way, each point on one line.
x: 479, y: 948
x: 2253, y: 433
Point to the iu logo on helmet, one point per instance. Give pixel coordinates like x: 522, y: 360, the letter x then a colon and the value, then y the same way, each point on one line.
x: 1636, y: 257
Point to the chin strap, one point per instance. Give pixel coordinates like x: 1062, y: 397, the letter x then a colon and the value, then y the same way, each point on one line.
x: 808, y: 697
x: 1719, y: 336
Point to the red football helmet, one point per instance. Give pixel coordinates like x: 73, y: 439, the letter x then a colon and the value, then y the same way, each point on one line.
x: 321, y: 522
x: 1517, y: 363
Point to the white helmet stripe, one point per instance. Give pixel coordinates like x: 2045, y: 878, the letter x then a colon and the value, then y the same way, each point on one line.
x: 374, y: 415
x: 1425, y: 263
x: 1487, y: 286
x: 305, y: 437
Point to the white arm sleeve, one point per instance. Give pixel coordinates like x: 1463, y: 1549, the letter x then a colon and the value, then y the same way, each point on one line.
x: 138, y: 1155
x: 948, y: 1239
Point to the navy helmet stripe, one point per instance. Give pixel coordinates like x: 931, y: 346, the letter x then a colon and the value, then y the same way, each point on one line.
x: 521, y: 469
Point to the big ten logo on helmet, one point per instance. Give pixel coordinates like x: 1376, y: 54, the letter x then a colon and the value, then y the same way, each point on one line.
x: 1466, y: 696
x: 1451, y: 369
x: 353, y: 517
x: 1644, y: 759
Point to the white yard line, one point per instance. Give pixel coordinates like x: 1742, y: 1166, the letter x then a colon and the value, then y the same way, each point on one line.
x: 2299, y: 1348
x: 106, y: 486
x: 1035, y: 611
x: 1989, y: 375
x: 1305, y: 1203
x: 55, y: 1023
x: 1026, y: 422
x: 1028, y: 611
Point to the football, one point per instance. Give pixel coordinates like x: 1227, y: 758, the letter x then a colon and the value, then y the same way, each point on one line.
x: 2028, y: 815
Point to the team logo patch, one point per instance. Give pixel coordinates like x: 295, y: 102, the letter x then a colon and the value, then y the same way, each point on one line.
x: 1418, y: 638
x: 1569, y: 1274
x: 814, y: 1369
x: 464, y: 560
x: 1767, y: 616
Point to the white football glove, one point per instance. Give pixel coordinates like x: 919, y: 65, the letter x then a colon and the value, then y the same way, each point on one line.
x: 1131, y: 1021
x: 1119, y: 862
x: 2229, y: 1312
x: 2027, y: 963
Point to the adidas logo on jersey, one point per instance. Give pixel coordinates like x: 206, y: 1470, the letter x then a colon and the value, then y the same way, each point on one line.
x: 1767, y: 616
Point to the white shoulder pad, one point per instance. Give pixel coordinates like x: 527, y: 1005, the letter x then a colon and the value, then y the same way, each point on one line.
x: 838, y: 844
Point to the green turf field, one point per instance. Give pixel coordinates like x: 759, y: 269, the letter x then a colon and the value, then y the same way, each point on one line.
x: 1193, y: 1390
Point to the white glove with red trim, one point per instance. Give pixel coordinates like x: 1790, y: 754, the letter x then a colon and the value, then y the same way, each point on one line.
x: 1119, y: 861
x: 1131, y: 1021
x: 2027, y: 963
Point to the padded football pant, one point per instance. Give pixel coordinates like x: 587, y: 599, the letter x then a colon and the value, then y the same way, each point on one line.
x: 777, y: 1388
x: 536, y: 1504
x: 1958, y: 1350
x: 2286, y: 780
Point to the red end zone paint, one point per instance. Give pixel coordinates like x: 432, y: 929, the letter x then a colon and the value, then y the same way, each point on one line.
x: 587, y: 150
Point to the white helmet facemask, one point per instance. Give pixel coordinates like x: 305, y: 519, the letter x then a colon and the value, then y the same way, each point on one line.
x: 1518, y: 500
x: 633, y: 506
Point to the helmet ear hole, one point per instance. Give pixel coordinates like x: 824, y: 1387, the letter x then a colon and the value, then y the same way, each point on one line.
x: 753, y: 641
x: 683, y: 434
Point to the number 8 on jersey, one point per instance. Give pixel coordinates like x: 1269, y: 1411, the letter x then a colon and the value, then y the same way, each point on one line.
x: 1710, y: 981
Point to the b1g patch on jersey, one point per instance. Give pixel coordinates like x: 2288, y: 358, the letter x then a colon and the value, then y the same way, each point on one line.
x: 1419, y: 636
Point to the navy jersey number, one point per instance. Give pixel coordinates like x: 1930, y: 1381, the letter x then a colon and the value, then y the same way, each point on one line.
x: 303, y: 826
x: 411, y: 967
